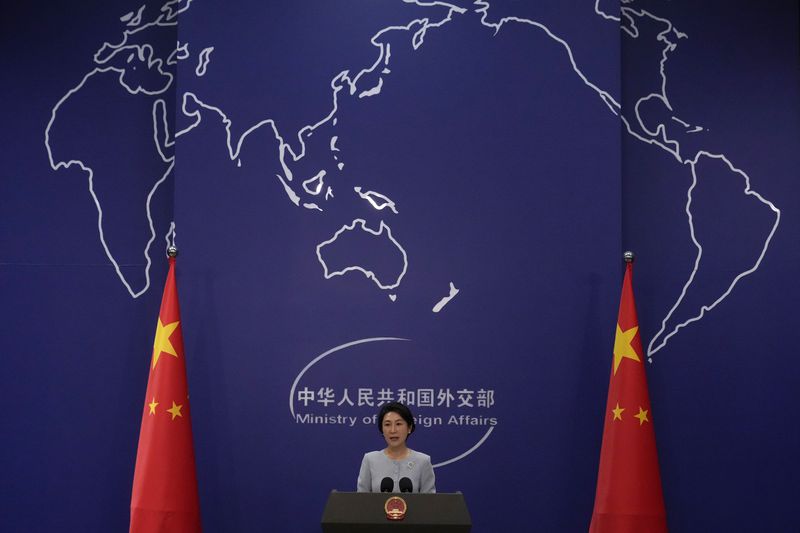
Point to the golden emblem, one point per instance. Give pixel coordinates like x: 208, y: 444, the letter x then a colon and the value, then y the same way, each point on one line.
x: 395, y: 508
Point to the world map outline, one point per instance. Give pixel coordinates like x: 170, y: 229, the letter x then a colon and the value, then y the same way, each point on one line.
x: 637, y: 126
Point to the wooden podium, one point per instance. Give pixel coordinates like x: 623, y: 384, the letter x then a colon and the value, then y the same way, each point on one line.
x: 426, y: 513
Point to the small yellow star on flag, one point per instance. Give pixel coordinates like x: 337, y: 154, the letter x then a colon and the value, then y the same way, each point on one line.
x: 175, y: 410
x: 622, y: 346
x: 152, y: 406
x: 617, y: 412
x: 642, y: 416
x: 161, y: 342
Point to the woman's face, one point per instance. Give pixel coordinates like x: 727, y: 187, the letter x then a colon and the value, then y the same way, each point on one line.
x: 395, y: 430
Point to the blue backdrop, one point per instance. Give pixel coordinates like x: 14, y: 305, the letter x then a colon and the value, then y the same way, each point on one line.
x: 425, y: 201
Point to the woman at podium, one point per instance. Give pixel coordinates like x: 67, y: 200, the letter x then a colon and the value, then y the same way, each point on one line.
x: 396, y: 468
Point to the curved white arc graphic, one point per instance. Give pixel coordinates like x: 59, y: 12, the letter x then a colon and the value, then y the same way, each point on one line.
x: 364, y: 341
x: 326, y: 354
x: 466, y: 453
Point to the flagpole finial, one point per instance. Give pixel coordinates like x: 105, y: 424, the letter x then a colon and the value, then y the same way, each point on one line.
x: 628, y: 256
x: 172, y: 251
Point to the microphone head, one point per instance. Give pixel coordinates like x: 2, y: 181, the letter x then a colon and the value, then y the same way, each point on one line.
x: 406, y: 485
x: 387, y: 484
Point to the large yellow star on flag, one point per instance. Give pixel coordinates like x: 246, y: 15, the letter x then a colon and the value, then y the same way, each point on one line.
x: 622, y: 346
x: 161, y: 342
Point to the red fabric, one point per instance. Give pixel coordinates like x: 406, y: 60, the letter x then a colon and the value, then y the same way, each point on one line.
x: 628, y: 497
x: 164, y: 497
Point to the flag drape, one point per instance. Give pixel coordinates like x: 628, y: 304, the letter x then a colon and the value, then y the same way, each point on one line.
x: 629, y: 498
x: 164, y: 497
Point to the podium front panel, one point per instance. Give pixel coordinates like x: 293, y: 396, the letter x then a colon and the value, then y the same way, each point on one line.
x: 364, y: 511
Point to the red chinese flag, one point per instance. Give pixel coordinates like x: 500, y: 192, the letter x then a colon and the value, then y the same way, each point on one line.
x: 628, y: 497
x: 164, y: 495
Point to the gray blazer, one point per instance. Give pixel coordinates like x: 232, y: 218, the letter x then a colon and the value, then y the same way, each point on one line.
x: 416, y: 466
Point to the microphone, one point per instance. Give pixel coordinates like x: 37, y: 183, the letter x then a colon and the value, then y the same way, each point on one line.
x: 406, y: 485
x: 387, y: 484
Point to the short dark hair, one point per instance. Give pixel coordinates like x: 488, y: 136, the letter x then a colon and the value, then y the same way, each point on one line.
x: 400, y: 409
